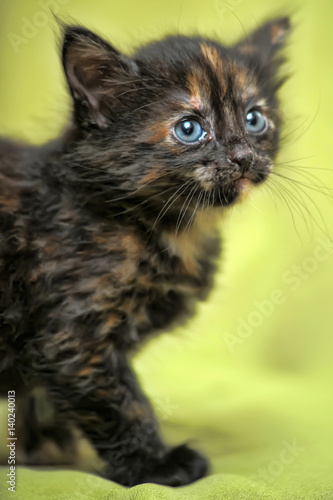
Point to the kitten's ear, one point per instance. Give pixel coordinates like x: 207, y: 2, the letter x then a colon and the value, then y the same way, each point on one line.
x: 266, y: 41
x: 95, y: 72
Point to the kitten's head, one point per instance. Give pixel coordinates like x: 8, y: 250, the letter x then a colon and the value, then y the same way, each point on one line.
x: 184, y: 122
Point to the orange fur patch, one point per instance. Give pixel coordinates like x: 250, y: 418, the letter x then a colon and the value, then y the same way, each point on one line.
x: 212, y: 56
x: 159, y: 132
x: 188, y: 244
x: 247, y: 49
x: 150, y: 176
x: 194, y: 84
x: 277, y: 33
x: 9, y: 196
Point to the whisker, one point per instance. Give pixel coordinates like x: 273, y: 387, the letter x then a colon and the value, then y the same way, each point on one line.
x: 297, y: 159
x: 189, y: 223
x: 183, y: 212
x: 292, y: 198
x: 204, y: 201
x: 300, y: 201
x: 315, y: 188
x: 283, y: 139
x: 309, y: 177
x: 277, y: 189
x: 144, y: 201
x: 299, y: 186
x: 219, y: 193
x: 169, y: 203
x: 138, y: 190
x: 303, y: 167
x: 214, y: 197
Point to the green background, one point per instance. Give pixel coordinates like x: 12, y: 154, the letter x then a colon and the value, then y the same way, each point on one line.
x: 243, y: 394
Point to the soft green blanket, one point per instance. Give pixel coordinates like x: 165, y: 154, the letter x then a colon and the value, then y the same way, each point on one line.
x: 269, y: 436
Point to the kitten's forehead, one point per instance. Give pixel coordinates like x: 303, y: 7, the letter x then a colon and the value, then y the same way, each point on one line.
x: 219, y: 77
x: 210, y: 72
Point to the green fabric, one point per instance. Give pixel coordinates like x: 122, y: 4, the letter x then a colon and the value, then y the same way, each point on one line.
x: 75, y: 486
x: 249, y: 380
x: 269, y: 437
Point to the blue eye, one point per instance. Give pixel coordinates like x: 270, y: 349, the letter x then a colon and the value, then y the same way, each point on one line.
x: 255, y: 122
x: 189, y: 131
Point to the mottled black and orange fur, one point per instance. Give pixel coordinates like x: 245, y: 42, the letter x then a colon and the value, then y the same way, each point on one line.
x: 107, y: 236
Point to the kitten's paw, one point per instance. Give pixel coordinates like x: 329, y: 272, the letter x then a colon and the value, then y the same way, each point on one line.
x: 181, y: 465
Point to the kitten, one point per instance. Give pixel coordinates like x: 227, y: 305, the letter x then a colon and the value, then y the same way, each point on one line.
x: 108, y: 234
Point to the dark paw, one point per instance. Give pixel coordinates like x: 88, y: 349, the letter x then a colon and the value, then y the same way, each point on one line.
x: 181, y: 465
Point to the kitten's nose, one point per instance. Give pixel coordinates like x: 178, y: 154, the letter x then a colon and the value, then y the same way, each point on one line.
x: 241, y: 156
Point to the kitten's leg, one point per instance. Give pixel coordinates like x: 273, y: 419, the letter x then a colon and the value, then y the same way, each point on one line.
x: 42, y: 439
x: 100, y: 395
x: 45, y: 438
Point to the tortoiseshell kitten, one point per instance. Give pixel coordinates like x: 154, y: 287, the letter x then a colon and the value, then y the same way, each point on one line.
x: 108, y: 234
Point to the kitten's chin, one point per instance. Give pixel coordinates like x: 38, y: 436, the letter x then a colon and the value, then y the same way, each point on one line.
x: 244, y: 187
x: 236, y: 191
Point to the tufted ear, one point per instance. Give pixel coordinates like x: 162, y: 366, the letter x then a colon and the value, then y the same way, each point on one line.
x: 96, y: 73
x: 266, y: 41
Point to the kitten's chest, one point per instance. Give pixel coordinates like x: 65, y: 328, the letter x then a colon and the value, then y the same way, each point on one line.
x: 170, y: 277
x: 133, y: 285
x: 155, y: 268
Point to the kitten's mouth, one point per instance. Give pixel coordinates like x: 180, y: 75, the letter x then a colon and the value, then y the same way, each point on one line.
x: 238, y: 188
x: 246, y: 180
x: 243, y: 183
x: 246, y: 177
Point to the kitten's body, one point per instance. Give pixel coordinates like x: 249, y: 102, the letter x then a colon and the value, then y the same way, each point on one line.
x: 106, y: 234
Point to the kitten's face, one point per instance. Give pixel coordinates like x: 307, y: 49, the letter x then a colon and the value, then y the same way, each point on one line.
x: 185, y: 118
x: 214, y: 124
